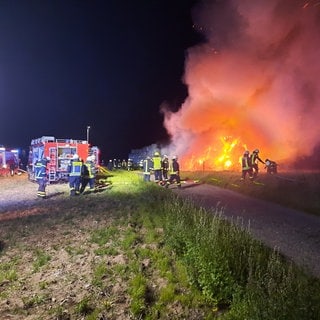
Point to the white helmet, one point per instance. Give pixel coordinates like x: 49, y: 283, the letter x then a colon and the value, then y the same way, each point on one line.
x: 75, y: 156
x: 174, y: 158
x: 256, y: 151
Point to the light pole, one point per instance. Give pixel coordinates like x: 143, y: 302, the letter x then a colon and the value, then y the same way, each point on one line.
x: 88, y: 130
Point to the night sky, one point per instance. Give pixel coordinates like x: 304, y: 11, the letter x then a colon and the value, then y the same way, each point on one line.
x: 108, y: 64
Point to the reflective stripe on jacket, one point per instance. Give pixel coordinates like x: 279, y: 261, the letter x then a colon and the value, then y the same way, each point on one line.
x: 147, y: 165
x: 174, y: 167
x: 75, y: 169
x: 91, y: 169
x: 40, y: 169
x: 245, y: 163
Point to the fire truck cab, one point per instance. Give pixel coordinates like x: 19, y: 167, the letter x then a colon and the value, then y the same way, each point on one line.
x: 60, y: 152
x: 9, y: 161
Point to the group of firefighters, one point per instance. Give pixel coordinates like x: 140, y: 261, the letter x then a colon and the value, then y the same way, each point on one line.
x: 165, y: 172
x: 81, y: 174
x: 249, y: 165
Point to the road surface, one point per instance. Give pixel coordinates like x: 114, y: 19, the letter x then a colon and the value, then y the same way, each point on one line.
x: 295, y: 234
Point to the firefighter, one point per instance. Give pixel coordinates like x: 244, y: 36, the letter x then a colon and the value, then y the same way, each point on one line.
x: 174, y: 170
x: 165, y: 167
x: 254, y: 159
x: 130, y: 164
x: 75, y: 169
x: 115, y: 164
x: 157, y: 169
x: 271, y: 166
x: 147, y: 167
x: 88, y: 174
x: 40, y: 171
x: 12, y: 166
x: 124, y: 164
x: 245, y: 165
x: 110, y: 165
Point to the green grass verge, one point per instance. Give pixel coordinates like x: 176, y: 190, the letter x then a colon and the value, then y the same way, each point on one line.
x: 149, y: 255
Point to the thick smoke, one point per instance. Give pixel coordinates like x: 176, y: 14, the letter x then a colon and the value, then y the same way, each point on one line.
x: 255, y: 80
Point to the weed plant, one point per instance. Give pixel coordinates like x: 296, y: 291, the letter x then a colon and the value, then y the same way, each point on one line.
x: 236, y: 273
x: 41, y: 259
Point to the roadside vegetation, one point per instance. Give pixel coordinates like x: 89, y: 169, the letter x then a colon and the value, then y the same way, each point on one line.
x: 136, y: 251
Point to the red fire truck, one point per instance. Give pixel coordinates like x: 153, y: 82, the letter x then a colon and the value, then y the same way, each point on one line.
x: 9, y: 161
x: 60, y: 152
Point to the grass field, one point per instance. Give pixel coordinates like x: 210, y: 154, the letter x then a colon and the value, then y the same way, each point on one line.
x: 135, y: 251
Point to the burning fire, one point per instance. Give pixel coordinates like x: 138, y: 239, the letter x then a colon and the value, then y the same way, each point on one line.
x: 254, y: 84
x: 224, y: 157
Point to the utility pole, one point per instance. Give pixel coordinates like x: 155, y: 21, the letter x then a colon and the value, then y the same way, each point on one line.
x: 88, y: 131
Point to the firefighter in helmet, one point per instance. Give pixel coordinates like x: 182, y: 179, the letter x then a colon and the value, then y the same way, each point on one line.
x: 147, y: 167
x: 271, y: 166
x: 157, y: 169
x: 165, y: 167
x: 88, y: 174
x: 245, y: 166
x: 174, y: 171
x: 130, y: 164
x: 75, y: 169
x: 40, y: 171
x: 254, y: 159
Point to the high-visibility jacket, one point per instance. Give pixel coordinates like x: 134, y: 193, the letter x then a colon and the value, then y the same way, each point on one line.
x: 156, y: 163
x: 40, y: 169
x: 75, y: 168
x: 245, y: 162
x: 255, y: 158
x: 91, y: 170
x: 147, y: 165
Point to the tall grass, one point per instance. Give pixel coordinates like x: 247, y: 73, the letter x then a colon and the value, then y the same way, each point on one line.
x: 235, y: 272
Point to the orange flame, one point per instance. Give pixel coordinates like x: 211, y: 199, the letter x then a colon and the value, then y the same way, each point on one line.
x: 224, y: 157
x: 260, y: 89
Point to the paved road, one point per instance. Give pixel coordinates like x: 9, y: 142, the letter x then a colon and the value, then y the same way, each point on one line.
x: 296, y: 234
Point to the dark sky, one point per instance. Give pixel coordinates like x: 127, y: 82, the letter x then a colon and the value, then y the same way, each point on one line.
x: 108, y: 64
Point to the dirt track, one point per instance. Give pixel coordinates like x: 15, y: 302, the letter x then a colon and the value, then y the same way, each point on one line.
x: 295, y: 234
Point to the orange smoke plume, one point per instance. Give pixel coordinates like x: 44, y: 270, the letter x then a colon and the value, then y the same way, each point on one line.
x: 254, y: 83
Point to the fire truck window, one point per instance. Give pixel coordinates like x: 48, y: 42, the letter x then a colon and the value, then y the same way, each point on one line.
x: 66, y: 152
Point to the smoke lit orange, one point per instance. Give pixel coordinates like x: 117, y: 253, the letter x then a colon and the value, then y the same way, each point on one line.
x: 253, y: 84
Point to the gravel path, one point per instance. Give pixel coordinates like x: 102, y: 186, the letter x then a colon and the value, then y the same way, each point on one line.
x: 295, y: 234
